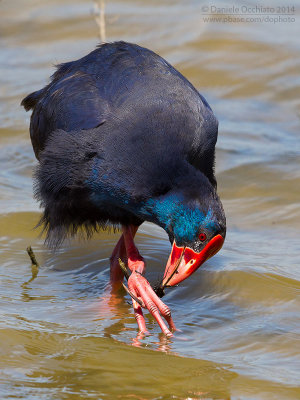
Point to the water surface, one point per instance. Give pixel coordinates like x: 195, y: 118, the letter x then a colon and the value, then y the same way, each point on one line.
x: 62, y: 335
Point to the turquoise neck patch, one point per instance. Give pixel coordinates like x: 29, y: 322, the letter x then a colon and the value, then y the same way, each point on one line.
x: 173, y: 212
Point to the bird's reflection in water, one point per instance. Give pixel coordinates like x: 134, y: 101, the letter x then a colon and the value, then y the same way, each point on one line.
x: 132, y: 396
x: 191, y: 396
x: 136, y: 342
x: 112, y: 306
x: 164, y: 344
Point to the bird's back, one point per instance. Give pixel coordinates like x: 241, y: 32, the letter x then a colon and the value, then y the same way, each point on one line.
x: 130, y: 84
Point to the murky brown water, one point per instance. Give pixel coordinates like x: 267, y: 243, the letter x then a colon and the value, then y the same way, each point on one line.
x: 61, y: 336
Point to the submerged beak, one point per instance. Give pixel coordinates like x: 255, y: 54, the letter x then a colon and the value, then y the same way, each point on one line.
x: 183, y: 261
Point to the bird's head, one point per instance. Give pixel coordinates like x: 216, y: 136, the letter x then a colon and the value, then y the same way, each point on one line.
x: 196, y: 227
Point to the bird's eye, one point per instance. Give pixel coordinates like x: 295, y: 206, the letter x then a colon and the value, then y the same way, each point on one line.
x: 202, y: 237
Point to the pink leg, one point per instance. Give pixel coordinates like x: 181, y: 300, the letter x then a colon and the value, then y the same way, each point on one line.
x: 109, y: 303
x: 116, y: 274
x: 141, y: 288
x: 119, y: 252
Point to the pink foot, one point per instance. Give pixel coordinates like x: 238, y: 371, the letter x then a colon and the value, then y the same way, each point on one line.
x: 142, y: 290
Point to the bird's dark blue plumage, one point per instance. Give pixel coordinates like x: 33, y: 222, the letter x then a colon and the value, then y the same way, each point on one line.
x: 122, y: 137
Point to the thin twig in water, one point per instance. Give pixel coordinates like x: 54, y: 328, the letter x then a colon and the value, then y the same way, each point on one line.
x: 141, y: 303
x: 34, y: 266
x: 123, y: 268
x: 32, y: 256
x: 99, y: 15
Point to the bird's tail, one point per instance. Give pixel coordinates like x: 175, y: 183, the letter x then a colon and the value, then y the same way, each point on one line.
x: 30, y: 101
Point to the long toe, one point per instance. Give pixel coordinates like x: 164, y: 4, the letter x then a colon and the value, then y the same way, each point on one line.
x: 141, y: 288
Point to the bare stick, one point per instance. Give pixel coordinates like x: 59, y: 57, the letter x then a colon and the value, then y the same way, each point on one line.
x: 99, y: 14
x: 123, y: 268
x: 32, y: 256
x: 34, y: 266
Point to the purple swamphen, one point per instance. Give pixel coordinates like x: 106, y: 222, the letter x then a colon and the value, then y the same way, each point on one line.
x: 122, y: 138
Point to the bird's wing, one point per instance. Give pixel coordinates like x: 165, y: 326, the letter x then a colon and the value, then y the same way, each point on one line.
x: 71, y: 101
x: 202, y: 142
